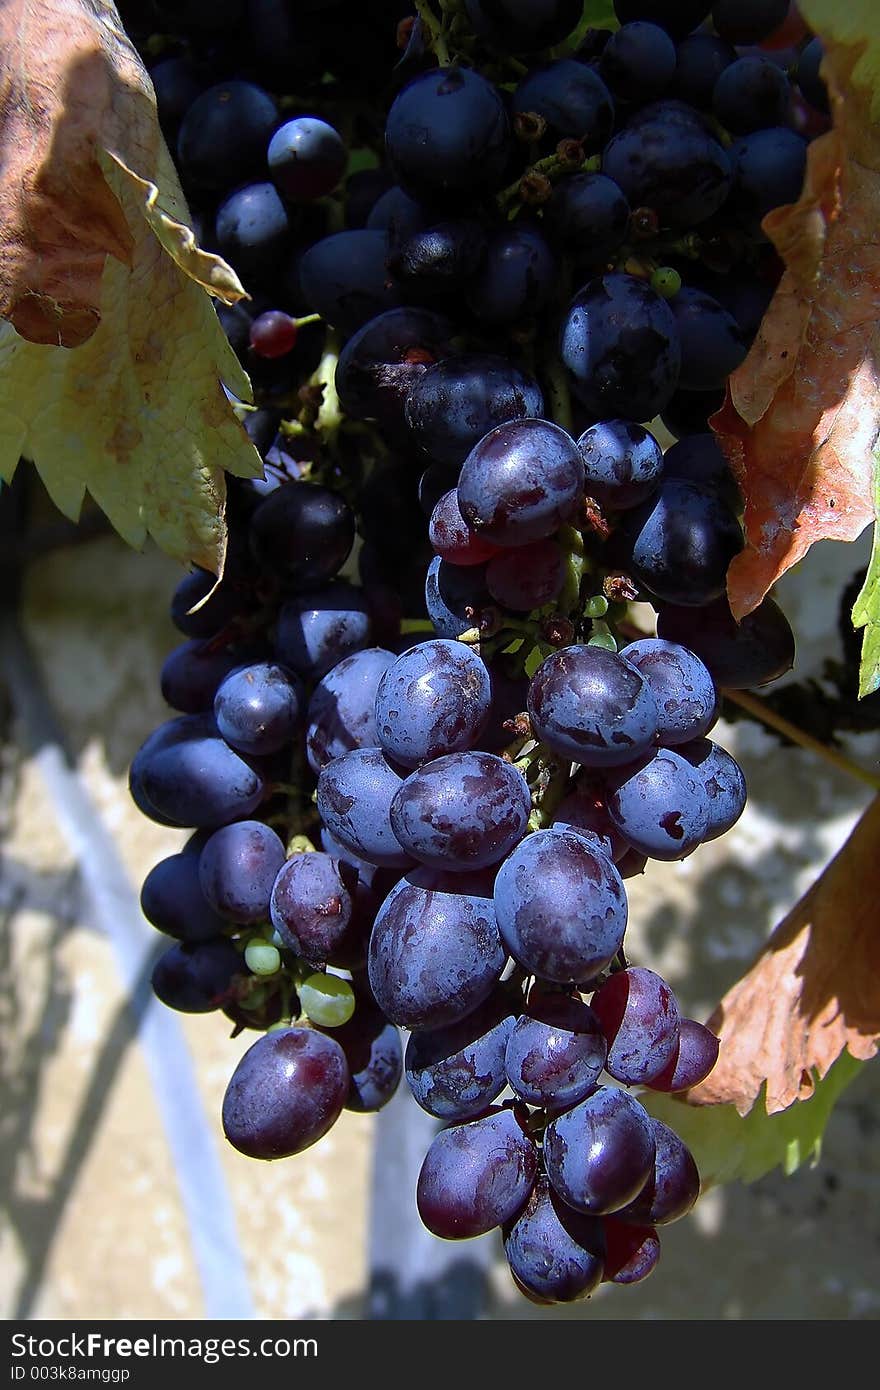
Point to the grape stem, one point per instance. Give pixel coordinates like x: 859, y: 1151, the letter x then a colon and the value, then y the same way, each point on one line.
x: 761, y: 711
x: 558, y: 393
x: 434, y: 31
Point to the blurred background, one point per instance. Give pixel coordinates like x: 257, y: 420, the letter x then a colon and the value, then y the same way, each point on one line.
x: 121, y: 1199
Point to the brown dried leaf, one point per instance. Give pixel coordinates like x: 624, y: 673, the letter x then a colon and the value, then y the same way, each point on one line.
x: 813, y: 992
x: 803, y: 411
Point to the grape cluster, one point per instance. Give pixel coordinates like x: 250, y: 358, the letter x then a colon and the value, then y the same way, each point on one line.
x: 419, y: 738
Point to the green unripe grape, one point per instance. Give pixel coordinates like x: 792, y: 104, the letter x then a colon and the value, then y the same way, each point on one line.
x: 603, y: 639
x: 327, y: 1000
x: 596, y: 607
x: 666, y: 281
x: 262, y: 957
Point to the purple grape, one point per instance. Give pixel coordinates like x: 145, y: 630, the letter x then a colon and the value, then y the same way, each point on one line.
x: 724, y: 782
x: 312, y: 906
x: 459, y: 400
x: 354, y: 798
x: 738, y: 655
x: 435, y: 952
x: 476, y: 1176
x: 375, y: 1059
x: 452, y: 538
x: 285, y: 1094
x: 660, y: 804
x: 172, y: 899
x: 197, y: 977
x: 556, y: 1052
x: 674, y: 1186
x: 258, y: 708
x: 693, y: 1060
x: 306, y: 158
x: 237, y: 868
x: 454, y: 596
x: 435, y: 699
x: 191, y: 674
x: 184, y: 774
x: 316, y: 630
x: 592, y: 707
x: 521, y: 482
x: 341, y: 712
x: 682, y: 541
x: 623, y: 463
x: 461, y: 812
x: 639, y: 1017
x: 455, y: 1073
x: 302, y: 534
x: 561, y: 906
x: 528, y: 577
x: 573, y: 100
x: 682, y: 688
x: 556, y: 1254
x: 631, y: 1252
x: 600, y: 1154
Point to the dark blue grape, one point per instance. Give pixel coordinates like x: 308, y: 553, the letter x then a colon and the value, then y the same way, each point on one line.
x: 684, y: 692
x: 748, y: 21
x: 258, y: 708
x: 461, y: 812
x: 196, y: 977
x: 456, y: 1072
x: 354, y: 798
x: 592, y: 707
x: 623, y: 463
x: 689, y: 412
x: 345, y: 279
x: 447, y: 135
x: 172, y: 899
x: 738, y: 655
x: 306, y: 158
x: 600, y: 1154
x: 682, y: 542
x: 724, y: 782
x: 699, y: 458
x: 712, y: 343
x: 521, y: 482
x: 700, y: 60
x: 673, y: 166
x: 312, y: 906
x: 434, y: 699
x: 677, y: 17
x: 186, y: 775
x: 435, y: 953
x: 302, y: 534
x: 768, y: 172
x: 561, y: 906
x: 638, y: 62
x: 399, y: 216
x: 363, y: 189
x: 640, y: 1018
x: 556, y: 1052
x: 620, y: 343
x: 809, y: 78
x: 588, y: 215
x: 177, y: 83
x: 476, y: 1176
x: 555, y: 1254
x: 224, y: 134
x: 750, y: 94
x: 459, y: 400
x: 375, y: 1058
x: 317, y: 629
x: 237, y: 868
x: 517, y: 278
x: 341, y: 713
x: 528, y: 577
x: 694, y: 1058
x: 660, y: 804
x: 286, y: 1092
x: 254, y: 232
x: 673, y: 1187
x: 452, y: 595
x: 523, y: 26
x: 224, y: 604
x: 583, y: 812
x: 192, y: 672
x: 440, y: 259
x: 381, y: 363
x: 573, y: 100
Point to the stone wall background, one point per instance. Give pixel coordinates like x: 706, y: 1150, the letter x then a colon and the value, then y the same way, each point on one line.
x: 94, y: 1224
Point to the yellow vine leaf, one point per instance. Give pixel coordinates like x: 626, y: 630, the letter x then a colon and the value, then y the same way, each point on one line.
x: 112, y: 359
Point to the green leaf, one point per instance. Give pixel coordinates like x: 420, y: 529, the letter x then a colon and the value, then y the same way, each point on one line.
x: 533, y: 661
x: 728, y: 1147
x: 598, y: 14
x: 866, y: 610
x: 856, y: 22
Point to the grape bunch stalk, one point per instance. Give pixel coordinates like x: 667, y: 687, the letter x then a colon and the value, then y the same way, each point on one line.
x: 423, y: 730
